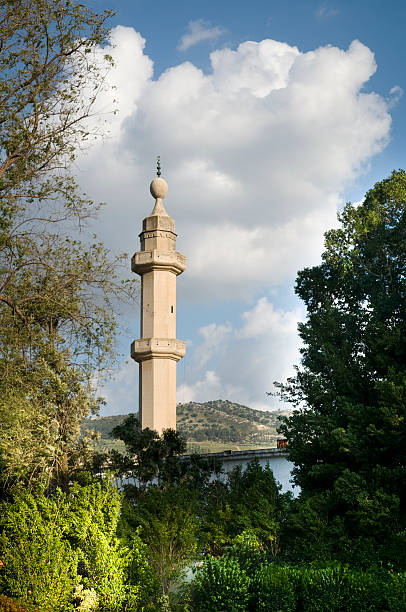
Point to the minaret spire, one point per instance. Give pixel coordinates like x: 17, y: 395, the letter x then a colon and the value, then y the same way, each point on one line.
x: 158, y: 166
x: 157, y: 352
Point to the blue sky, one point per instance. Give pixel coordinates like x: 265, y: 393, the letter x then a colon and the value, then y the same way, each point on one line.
x: 268, y: 117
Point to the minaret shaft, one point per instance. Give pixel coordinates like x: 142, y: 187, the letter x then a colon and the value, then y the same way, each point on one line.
x: 158, y: 310
x: 157, y: 352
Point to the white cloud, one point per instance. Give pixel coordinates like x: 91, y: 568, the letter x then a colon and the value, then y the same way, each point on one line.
x: 198, y: 31
x: 256, y: 153
x: 264, y: 319
x: 264, y: 349
x: 213, y: 339
x: 395, y: 93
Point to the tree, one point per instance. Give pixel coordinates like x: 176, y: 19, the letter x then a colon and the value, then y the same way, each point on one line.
x: 50, y: 77
x: 168, y: 523
x: 347, y: 435
x: 57, y: 294
x: 149, y: 456
x: 245, y: 501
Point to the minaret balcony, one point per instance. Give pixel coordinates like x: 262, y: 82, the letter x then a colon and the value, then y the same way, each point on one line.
x: 161, y: 348
x: 145, y: 261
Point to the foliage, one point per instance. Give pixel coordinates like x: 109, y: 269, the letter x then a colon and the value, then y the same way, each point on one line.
x: 396, y: 592
x: 248, y: 551
x: 57, y: 294
x: 220, y: 585
x: 168, y: 526
x: 63, y: 548
x: 274, y: 587
x: 250, y: 501
x: 347, y: 435
x: 40, y: 565
x: 85, y: 600
x: 149, y: 455
x: 46, y: 61
x: 337, y: 588
x: 287, y: 588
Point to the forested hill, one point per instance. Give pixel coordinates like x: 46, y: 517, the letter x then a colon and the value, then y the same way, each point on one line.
x: 210, y: 426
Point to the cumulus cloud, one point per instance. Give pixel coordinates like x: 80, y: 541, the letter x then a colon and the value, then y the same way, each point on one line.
x: 257, y: 152
x: 263, y: 349
x: 198, y: 31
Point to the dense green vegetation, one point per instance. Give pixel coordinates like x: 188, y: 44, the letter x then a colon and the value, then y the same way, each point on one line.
x: 229, y: 583
x: 347, y: 436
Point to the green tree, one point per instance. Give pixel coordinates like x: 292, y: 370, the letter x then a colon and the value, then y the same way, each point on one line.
x: 149, y: 455
x: 247, y: 501
x: 57, y: 294
x: 167, y: 520
x: 347, y: 435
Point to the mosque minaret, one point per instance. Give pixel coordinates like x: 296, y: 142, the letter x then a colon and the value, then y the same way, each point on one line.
x: 157, y: 352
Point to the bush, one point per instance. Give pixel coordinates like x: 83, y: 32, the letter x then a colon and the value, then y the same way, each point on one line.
x: 247, y: 550
x: 338, y: 589
x: 39, y: 564
x: 274, y: 587
x: 61, y: 550
x: 221, y: 585
x: 365, y: 591
x: 323, y: 590
x: 396, y: 592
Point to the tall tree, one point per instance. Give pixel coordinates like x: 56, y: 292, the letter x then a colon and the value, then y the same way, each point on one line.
x: 347, y: 436
x: 57, y: 294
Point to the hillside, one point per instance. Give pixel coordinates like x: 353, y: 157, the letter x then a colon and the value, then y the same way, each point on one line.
x: 208, y: 427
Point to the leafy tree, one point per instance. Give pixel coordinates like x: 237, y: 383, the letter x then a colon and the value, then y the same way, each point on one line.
x: 247, y: 501
x: 168, y: 524
x: 50, y: 77
x: 149, y: 456
x: 57, y: 294
x: 347, y: 435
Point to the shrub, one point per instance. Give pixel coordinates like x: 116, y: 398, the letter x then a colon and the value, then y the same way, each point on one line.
x: 365, y: 591
x: 220, y: 586
x: 396, y: 592
x: 39, y: 564
x: 274, y: 588
x: 52, y: 544
x: 247, y: 550
x: 339, y: 588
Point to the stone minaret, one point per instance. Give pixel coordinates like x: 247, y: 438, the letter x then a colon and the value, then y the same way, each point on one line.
x: 157, y: 352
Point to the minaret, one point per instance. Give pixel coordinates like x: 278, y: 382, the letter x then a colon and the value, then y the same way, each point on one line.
x: 157, y: 352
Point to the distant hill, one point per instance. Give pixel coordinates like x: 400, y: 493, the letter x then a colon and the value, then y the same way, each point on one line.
x: 209, y: 426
